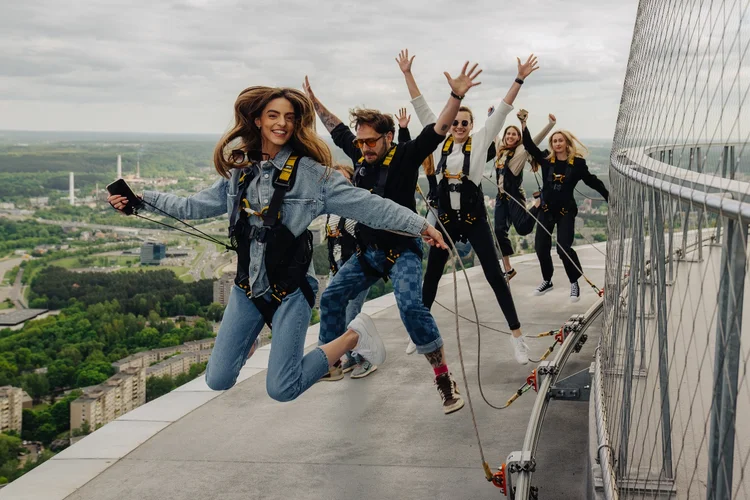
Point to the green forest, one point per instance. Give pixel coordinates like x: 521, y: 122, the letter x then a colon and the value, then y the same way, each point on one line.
x: 36, y: 169
x: 104, y: 317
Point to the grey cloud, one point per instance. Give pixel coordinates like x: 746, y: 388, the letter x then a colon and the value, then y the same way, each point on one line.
x: 176, y: 53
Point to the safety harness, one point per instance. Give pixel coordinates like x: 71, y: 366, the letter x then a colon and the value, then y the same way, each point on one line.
x: 472, y: 198
x: 339, y: 236
x: 555, y: 182
x: 287, y: 257
x: 364, y: 170
x: 373, y: 238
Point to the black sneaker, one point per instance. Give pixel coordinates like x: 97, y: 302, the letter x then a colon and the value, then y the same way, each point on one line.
x: 510, y: 275
x: 545, y: 287
x: 575, y: 292
x: 448, y: 390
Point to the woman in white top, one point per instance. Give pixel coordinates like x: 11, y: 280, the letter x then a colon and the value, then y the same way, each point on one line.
x: 459, y: 167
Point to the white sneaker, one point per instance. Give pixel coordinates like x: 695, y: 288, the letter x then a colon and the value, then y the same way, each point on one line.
x: 521, y: 350
x: 370, y: 346
x: 411, y: 348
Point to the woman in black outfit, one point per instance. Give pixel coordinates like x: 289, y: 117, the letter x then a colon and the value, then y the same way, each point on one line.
x: 562, y: 169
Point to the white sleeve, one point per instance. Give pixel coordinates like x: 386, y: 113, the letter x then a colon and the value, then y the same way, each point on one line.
x: 424, y: 113
x: 480, y: 141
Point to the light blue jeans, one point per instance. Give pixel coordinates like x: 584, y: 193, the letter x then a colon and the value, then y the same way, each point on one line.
x: 290, y: 371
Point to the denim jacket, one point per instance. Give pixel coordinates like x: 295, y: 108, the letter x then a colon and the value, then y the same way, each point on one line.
x: 313, y: 194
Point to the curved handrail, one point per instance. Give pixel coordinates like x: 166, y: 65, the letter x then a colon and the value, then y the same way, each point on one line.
x: 536, y: 419
x: 636, y: 165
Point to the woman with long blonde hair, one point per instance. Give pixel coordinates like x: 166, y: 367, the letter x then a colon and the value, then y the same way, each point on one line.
x: 562, y: 167
x: 275, y: 180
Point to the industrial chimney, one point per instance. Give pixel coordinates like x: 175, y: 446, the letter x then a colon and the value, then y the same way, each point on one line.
x: 119, y: 166
x: 72, y: 189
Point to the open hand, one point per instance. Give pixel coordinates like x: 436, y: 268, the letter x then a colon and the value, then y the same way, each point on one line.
x: 404, y: 61
x: 308, y: 90
x: 528, y: 67
x: 402, y: 118
x: 433, y: 237
x: 463, y: 82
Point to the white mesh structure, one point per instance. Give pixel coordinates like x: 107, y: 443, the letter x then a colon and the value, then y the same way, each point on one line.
x: 672, y: 363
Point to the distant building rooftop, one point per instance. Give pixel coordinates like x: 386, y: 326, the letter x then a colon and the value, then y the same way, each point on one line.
x: 20, y: 316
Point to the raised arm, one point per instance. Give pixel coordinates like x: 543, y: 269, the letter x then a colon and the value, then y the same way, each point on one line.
x: 330, y: 120
x: 459, y: 87
x: 340, y: 133
x: 404, y: 62
x: 529, y: 144
x: 521, y: 156
x: 403, y: 125
x: 424, y: 113
x: 495, y: 121
x: 538, y: 138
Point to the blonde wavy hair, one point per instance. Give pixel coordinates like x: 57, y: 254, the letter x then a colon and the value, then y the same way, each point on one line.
x: 250, y: 105
x: 573, y: 145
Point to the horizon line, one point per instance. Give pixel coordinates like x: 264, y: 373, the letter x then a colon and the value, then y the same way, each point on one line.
x: 218, y: 135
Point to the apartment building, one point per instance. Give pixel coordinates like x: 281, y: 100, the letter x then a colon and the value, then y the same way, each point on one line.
x: 11, y: 408
x: 119, y: 394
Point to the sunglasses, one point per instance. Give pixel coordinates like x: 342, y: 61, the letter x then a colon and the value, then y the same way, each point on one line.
x: 238, y: 156
x: 464, y: 123
x: 358, y: 143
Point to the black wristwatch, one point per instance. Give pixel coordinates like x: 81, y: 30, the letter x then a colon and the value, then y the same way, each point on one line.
x: 519, y: 81
x: 459, y: 97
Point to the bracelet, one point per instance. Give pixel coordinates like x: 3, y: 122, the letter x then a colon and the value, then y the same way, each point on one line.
x: 519, y: 81
x: 459, y: 97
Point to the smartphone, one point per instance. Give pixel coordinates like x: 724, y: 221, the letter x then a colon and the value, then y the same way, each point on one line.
x: 121, y: 187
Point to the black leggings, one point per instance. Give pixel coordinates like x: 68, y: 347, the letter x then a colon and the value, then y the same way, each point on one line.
x: 543, y: 244
x: 509, y: 212
x: 480, y: 237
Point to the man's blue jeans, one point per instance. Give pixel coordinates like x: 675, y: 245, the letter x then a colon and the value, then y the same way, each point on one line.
x: 406, y: 275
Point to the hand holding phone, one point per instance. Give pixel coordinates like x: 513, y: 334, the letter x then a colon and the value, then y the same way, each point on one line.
x: 123, y: 198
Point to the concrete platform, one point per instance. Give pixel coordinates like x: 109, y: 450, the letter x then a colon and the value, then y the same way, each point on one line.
x: 382, y: 437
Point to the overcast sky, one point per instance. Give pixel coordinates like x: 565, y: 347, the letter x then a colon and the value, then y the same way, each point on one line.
x: 177, y: 66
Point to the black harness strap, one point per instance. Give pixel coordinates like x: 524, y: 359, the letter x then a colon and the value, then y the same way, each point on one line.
x: 287, y: 263
x: 446, y: 152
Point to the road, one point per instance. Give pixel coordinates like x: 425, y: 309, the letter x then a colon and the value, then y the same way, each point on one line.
x: 16, y: 293
x: 6, y: 292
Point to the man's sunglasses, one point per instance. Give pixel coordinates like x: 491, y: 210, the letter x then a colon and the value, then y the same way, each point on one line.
x: 238, y: 156
x: 358, y: 143
x: 464, y: 123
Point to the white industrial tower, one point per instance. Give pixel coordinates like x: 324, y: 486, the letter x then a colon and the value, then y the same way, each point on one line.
x: 72, y: 189
x: 119, y: 166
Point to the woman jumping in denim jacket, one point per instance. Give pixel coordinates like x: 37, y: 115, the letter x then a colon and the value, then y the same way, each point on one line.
x: 280, y: 122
